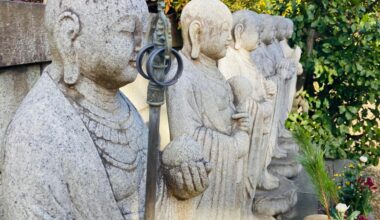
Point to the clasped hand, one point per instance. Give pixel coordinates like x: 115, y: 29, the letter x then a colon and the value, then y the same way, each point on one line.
x: 189, y: 179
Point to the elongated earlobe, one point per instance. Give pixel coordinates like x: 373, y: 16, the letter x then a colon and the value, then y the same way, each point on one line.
x: 66, y: 31
x: 238, y: 31
x: 71, y: 73
x: 194, y: 32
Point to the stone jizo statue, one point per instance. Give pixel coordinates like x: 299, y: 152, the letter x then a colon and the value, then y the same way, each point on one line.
x: 246, y: 28
x: 81, y: 142
x: 268, y: 69
x: 274, y: 67
x: 286, y: 150
x: 201, y: 105
x: 76, y: 148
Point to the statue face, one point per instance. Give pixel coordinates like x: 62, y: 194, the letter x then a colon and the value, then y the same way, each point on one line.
x: 108, y: 42
x: 289, y: 30
x: 268, y: 32
x: 250, y: 37
x: 215, y: 41
x: 281, y: 31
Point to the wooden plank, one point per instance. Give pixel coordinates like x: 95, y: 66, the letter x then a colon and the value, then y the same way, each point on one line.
x: 23, y: 38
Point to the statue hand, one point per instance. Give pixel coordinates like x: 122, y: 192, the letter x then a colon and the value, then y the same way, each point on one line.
x: 283, y: 64
x: 189, y: 179
x: 270, y: 88
x: 283, y: 68
x: 244, y: 121
x: 299, y: 69
x: 242, y: 142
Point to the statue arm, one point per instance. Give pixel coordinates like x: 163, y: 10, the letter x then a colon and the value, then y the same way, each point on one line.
x: 185, y: 119
x: 264, y: 65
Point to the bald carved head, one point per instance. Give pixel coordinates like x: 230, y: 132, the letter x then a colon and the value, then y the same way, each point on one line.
x: 268, y: 29
x: 246, y: 28
x: 206, y: 26
x: 281, y: 27
x: 289, y: 28
x: 96, y: 39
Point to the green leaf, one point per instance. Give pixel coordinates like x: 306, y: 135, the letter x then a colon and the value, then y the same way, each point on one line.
x: 353, y: 215
x: 348, y: 115
x: 353, y: 109
x: 342, y: 109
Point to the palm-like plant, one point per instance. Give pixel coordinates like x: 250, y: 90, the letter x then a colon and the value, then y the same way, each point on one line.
x: 312, y: 160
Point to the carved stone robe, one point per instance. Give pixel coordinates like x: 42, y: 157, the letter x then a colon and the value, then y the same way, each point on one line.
x: 54, y: 170
x: 281, y: 51
x: 260, y: 107
x: 200, y: 105
x: 294, y: 56
x: 266, y: 65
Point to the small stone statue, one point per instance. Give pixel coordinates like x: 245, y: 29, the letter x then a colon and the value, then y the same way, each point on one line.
x: 76, y: 148
x: 275, y: 67
x: 246, y: 28
x: 284, y: 162
x: 294, y: 56
x: 266, y: 66
x: 201, y: 106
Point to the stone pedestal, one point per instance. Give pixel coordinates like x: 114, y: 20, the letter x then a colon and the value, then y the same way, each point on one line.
x: 287, y: 166
x: 307, y: 199
x: 278, y: 201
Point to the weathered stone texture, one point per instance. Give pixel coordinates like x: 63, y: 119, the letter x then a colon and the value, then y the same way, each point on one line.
x: 15, y: 83
x: 22, y: 34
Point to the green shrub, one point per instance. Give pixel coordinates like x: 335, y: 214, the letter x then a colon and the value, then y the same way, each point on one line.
x: 312, y: 160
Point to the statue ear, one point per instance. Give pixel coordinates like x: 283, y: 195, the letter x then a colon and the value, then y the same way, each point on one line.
x: 66, y: 31
x: 194, y: 34
x: 238, y: 31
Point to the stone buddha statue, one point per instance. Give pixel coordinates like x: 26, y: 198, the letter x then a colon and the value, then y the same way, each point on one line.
x: 266, y: 65
x: 246, y: 28
x: 201, y: 106
x: 295, y: 69
x: 76, y: 148
x: 270, y: 201
x: 284, y: 161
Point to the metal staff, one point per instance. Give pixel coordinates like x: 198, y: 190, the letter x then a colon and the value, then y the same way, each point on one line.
x: 157, y: 68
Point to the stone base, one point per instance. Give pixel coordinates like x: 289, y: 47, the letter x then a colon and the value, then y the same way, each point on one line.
x: 288, y: 166
x: 288, y: 144
x: 276, y: 202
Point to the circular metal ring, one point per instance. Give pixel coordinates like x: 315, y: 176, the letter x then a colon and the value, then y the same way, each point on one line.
x: 150, y: 70
x: 139, y: 60
x: 140, y: 57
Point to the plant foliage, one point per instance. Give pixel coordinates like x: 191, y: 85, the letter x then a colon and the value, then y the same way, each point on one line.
x: 312, y: 160
x: 356, y: 188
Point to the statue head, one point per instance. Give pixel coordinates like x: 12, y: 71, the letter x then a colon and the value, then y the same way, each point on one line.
x: 289, y: 28
x: 206, y: 29
x: 245, y: 29
x: 268, y: 30
x: 281, y: 27
x: 96, y: 39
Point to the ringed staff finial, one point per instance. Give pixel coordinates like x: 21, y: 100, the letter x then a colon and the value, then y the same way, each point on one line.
x: 158, y: 66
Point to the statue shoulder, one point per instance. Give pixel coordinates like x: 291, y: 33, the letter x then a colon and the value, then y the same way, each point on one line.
x: 45, y: 115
